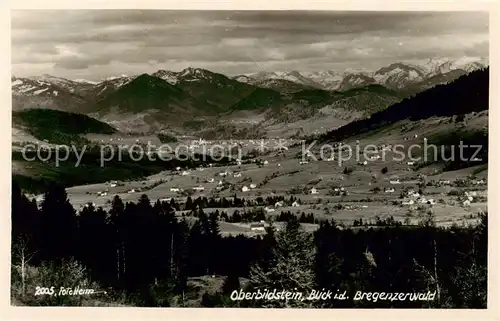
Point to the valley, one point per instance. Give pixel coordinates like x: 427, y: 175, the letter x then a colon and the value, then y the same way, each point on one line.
x: 180, y: 158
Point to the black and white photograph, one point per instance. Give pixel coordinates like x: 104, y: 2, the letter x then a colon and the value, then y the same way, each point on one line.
x: 297, y: 159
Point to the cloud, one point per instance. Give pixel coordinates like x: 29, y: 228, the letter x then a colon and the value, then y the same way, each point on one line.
x: 98, y: 43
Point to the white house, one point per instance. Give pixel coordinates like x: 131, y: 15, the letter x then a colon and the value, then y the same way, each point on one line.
x: 223, y: 173
x: 245, y: 189
x: 269, y: 209
x: 279, y: 165
x: 389, y: 190
x: 395, y: 182
x: 185, y: 173
x: 266, y: 162
x: 314, y: 191
x: 112, y: 185
x: 199, y: 188
x: 177, y: 168
x: 278, y: 204
x: 422, y: 200
x: 413, y: 194
x: 131, y: 191
x: 303, y: 162
x: 295, y: 204
x: 220, y: 183
x: 237, y: 175
x: 411, y: 163
x: 253, y: 186
x: 466, y: 203
x: 210, y: 180
x: 175, y: 189
x: 257, y: 227
x: 408, y: 202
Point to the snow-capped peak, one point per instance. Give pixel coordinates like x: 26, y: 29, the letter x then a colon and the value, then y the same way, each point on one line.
x: 116, y: 77
x: 84, y: 81
x: 167, y: 75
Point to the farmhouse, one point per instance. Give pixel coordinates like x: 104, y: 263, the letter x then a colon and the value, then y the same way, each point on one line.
x: 210, y: 180
x: 265, y: 162
x: 395, y: 182
x: 422, y: 200
x: 466, y: 203
x: 411, y: 163
x: 245, y: 189
x: 253, y: 186
x: 472, y: 194
x: 199, y: 188
x: 413, y: 194
x: 175, y: 189
x: 278, y: 204
x: 295, y: 204
x: 389, y: 190
x: 314, y: 191
x: 237, y: 175
x: 269, y: 209
x: 185, y: 173
x: 303, y: 162
x: 131, y: 191
x: 257, y: 227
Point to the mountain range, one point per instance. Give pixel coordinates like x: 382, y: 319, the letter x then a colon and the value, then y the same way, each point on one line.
x: 395, y: 76
x: 167, y: 98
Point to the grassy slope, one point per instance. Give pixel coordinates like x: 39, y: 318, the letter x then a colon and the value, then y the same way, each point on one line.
x: 467, y: 94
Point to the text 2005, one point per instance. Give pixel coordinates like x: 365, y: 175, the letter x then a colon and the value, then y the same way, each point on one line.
x: 41, y: 290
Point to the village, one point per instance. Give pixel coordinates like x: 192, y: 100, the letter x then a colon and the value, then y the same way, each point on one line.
x: 372, y: 190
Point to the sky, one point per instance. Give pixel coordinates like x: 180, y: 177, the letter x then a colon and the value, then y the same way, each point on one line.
x: 95, y: 44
